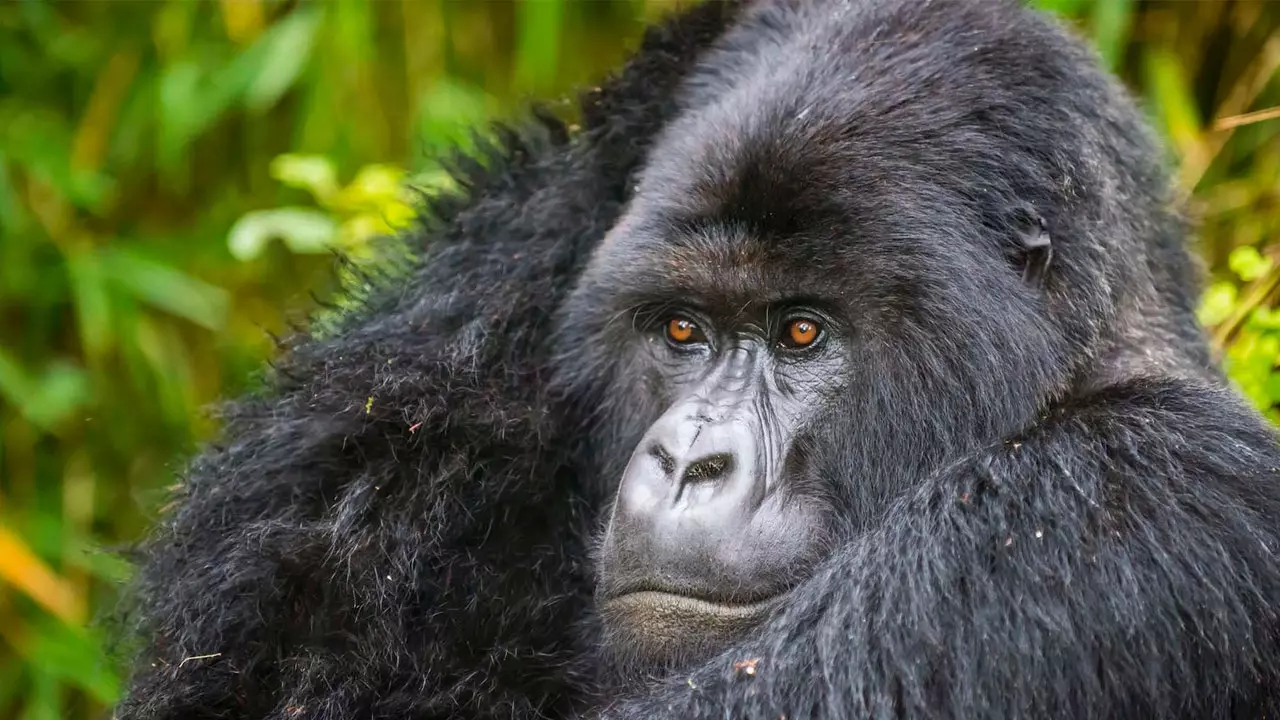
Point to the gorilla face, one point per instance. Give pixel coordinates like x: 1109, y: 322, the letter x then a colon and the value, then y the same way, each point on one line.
x: 727, y: 356
x: 712, y: 523
x: 772, y: 324
x: 766, y: 400
x: 768, y: 397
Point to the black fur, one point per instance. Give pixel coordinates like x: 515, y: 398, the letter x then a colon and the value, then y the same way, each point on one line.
x: 1051, y: 504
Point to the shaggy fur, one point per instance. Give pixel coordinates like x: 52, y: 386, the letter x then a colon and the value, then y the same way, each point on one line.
x: 1050, y: 504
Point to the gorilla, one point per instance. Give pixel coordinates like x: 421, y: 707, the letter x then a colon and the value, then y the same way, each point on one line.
x: 841, y: 364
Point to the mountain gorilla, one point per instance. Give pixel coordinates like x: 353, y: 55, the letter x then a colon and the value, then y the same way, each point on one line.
x: 844, y: 365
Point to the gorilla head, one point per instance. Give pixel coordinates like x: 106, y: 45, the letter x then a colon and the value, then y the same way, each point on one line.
x: 858, y: 252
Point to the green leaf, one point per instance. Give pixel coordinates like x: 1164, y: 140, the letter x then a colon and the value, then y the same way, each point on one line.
x: 44, y: 701
x: 74, y: 656
x: 302, y: 230
x: 88, y: 556
x: 1247, y: 263
x: 314, y: 173
x: 1112, y: 21
x: 12, y: 214
x: 188, y: 105
x: 1066, y: 8
x: 1272, y: 386
x: 1263, y: 319
x: 433, y: 180
x: 372, y: 188
x: 93, y: 308
x: 1174, y: 102
x: 448, y: 114
x: 192, y: 97
x: 171, y: 28
x: 12, y: 680
x: 167, y: 288
x: 39, y: 142
x: 46, y: 399
x: 281, y: 54
x: 1217, y: 303
x: 62, y: 389
x: 353, y: 30
x: 538, y: 44
x: 170, y: 365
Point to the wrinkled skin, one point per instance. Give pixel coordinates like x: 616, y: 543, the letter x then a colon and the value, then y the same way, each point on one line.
x: 600, y: 477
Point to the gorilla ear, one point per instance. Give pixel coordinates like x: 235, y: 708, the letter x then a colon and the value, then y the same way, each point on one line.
x: 1033, y: 251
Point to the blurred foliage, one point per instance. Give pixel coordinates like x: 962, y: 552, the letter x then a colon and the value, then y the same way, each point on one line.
x: 175, y: 177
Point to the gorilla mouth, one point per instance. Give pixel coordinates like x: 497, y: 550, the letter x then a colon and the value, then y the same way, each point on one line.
x: 664, y: 624
x: 700, y: 603
x: 637, y: 590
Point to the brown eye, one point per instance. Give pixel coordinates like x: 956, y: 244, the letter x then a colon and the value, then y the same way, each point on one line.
x: 682, y: 330
x: 800, y: 333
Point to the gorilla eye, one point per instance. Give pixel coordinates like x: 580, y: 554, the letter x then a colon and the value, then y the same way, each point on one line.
x: 683, y: 331
x: 800, y: 333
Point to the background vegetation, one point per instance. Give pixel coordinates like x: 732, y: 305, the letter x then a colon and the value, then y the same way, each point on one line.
x: 174, y: 174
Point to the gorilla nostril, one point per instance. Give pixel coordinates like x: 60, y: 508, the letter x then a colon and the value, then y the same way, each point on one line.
x: 711, y: 467
x: 664, y: 459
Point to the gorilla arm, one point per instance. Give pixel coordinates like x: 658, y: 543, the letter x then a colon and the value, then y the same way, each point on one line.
x: 291, y: 576
x: 1116, y: 560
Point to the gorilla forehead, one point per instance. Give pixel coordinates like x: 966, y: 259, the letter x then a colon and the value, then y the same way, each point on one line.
x: 791, y: 177
x: 854, y: 145
x: 726, y: 263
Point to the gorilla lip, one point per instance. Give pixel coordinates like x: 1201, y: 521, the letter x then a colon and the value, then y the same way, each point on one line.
x: 660, y: 600
x: 654, y: 593
x: 654, y: 623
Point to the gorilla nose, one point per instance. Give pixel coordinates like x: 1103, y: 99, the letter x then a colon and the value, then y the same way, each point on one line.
x: 698, y: 475
x: 691, y: 514
x: 702, y: 454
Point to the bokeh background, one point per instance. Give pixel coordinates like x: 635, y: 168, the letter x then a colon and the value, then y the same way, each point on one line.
x: 177, y: 175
